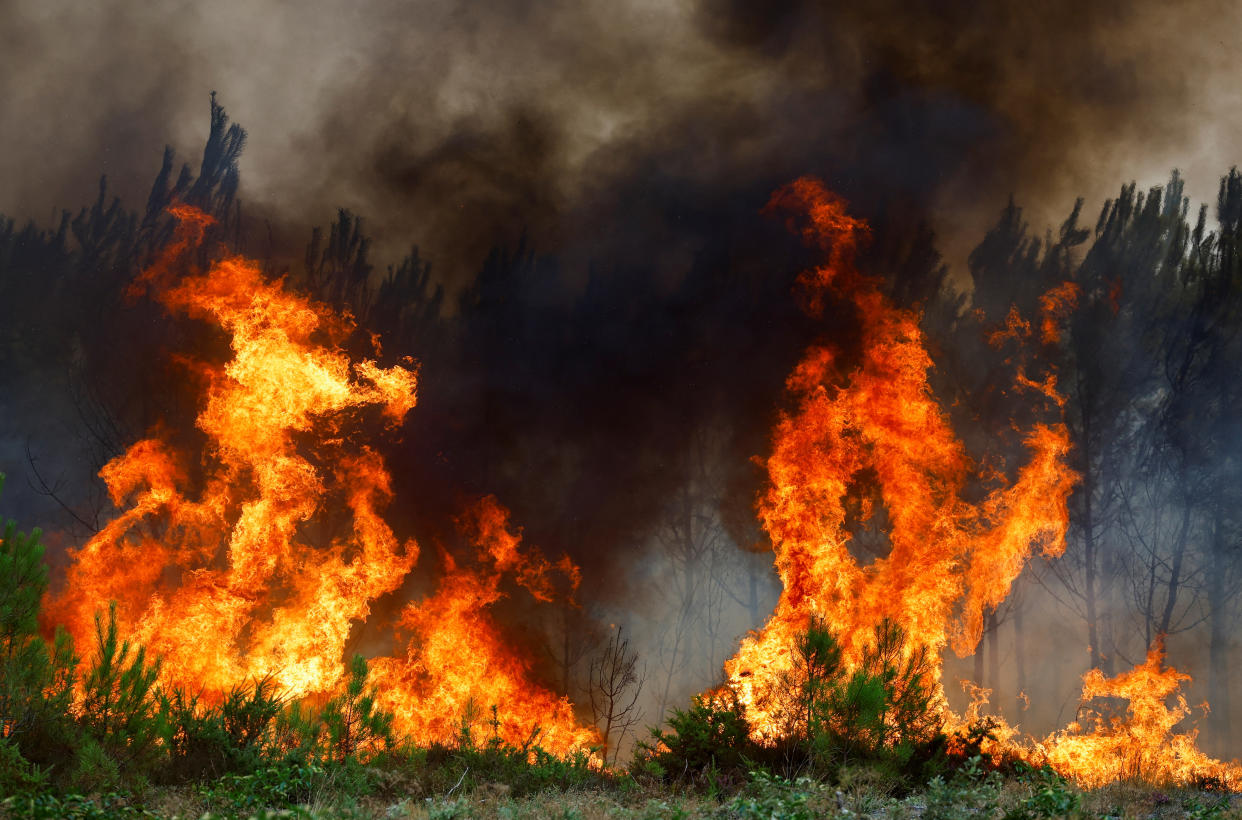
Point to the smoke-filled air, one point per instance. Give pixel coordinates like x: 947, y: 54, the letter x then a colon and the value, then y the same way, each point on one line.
x: 693, y: 409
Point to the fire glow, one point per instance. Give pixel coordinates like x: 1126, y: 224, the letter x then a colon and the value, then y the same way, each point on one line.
x: 229, y: 586
x: 255, y: 574
x: 950, y: 561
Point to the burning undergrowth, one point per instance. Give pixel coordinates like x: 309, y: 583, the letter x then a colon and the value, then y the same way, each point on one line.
x: 267, y: 553
x: 950, y: 561
x: 260, y: 557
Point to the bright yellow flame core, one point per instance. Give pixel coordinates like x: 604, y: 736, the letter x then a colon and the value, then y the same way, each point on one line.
x: 950, y: 560
x: 285, y: 550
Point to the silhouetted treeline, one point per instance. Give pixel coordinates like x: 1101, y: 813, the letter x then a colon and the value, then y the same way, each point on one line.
x: 1148, y: 361
x: 88, y: 362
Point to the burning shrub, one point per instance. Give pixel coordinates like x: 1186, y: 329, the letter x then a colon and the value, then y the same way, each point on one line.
x: 829, y: 714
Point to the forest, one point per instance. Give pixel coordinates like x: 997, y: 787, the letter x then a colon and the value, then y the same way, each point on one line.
x: 589, y: 449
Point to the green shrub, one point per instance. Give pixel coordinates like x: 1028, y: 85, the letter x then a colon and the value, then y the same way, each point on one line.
x: 352, y: 723
x: 885, y: 706
x: 813, y: 687
x: 17, y: 774
x: 119, y: 712
x: 713, y: 735
x: 298, y: 731
x: 25, y: 667
x: 770, y: 797
x: 973, y: 791
x: 194, y: 739
x: 346, y: 729
x: 458, y: 809
x: 95, y: 770
x: 70, y: 807
x: 36, y: 685
x: 1207, y: 806
x: 1051, y: 796
x: 281, y: 786
x: 236, y: 736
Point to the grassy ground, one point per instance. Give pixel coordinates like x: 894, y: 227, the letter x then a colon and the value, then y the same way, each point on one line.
x: 857, y: 794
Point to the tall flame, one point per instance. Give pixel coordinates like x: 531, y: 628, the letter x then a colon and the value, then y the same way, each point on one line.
x: 950, y: 560
x: 457, y: 657
x: 283, y: 550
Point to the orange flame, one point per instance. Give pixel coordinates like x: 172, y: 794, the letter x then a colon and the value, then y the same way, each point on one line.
x: 457, y: 656
x: 1142, y: 743
x: 1055, y: 306
x: 283, y: 552
x: 950, y: 560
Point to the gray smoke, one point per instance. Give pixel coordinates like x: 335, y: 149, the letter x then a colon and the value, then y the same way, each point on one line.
x: 451, y: 124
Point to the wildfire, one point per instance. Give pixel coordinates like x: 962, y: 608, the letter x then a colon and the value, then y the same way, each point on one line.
x: 950, y: 560
x: 1141, y: 743
x: 263, y: 555
x: 457, y: 658
x: 283, y: 550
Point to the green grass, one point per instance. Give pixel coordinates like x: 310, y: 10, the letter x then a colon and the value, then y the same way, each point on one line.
x: 415, y: 788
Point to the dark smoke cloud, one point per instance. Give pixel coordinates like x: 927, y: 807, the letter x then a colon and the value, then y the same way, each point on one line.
x: 451, y: 124
x: 1063, y: 98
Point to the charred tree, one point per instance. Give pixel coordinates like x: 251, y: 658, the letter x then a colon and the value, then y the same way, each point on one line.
x: 615, y: 686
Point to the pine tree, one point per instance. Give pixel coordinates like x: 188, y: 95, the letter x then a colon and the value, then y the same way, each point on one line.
x: 36, y: 681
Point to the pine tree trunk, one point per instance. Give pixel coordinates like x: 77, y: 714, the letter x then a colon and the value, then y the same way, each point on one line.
x: 993, y: 635
x: 1089, y: 551
x: 1019, y: 656
x: 980, y: 648
x: 1218, y: 647
x: 1175, y: 574
x: 1093, y: 631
